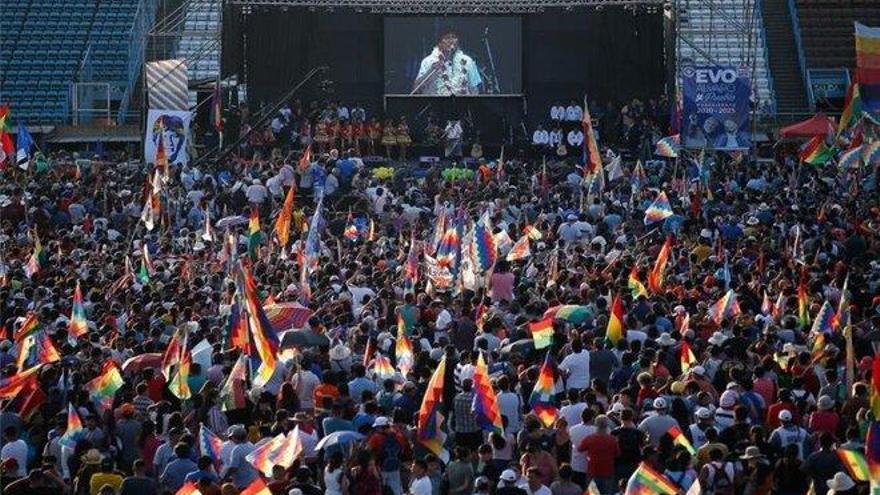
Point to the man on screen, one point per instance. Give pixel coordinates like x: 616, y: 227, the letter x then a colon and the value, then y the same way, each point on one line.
x: 447, y: 71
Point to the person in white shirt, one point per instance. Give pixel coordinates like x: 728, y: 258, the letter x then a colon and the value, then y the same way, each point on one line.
x: 16, y: 449
x: 379, y: 197
x: 534, y: 485
x: 575, y: 137
x: 572, y: 410
x: 305, y: 382
x: 576, y: 367
x: 557, y: 112
x: 540, y: 137
x: 574, y: 113
x: 510, y: 404
x: 421, y: 483
x: 256, y: 193
x: 576, y: 434
x: 342, y: 112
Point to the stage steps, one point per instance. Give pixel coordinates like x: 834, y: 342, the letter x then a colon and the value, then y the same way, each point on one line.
x: 788, y: 80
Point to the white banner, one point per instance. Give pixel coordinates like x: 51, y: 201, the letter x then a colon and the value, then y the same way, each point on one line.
x: 172, y: 127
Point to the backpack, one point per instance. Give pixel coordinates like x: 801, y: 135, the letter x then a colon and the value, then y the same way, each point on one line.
x: 721, y: 482
x: 389, y: 457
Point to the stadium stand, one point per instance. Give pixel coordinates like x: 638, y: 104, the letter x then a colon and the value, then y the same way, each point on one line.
x: 44, y: 44
x: 718, y: 28
x: 827, y: 29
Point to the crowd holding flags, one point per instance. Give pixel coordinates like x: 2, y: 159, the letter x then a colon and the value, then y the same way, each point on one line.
x: 658, y: 273
x: 542, y: 332
x: 485, y: 405
x: 263, y: 339
x: 403, y: 352
x: 103, y: 387
x: 659, y: 210
x: 78, y: 326
x: 430, y: 422
x: 179, y: 384
x: 725, y: 307
x: 543, y: 395
x: 38, y: 258
x: 615, y: 331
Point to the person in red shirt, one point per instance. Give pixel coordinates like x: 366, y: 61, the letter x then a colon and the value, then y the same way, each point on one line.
x: 601, y: 449
x: 773, y: 411
x: 825, y: 420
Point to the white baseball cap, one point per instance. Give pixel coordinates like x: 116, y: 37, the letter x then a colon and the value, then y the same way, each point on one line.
x: 381, y: 421
x: 659, y: 403
x: 508, y: 475
x: 784, y: 415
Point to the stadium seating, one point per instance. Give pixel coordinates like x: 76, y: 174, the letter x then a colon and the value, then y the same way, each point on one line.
x: 827, y: 30
x: 43, y: 46
x: 707, y: 25
x: 199, y: 42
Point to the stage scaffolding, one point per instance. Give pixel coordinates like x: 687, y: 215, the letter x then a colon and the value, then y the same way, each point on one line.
x: 460, y: 7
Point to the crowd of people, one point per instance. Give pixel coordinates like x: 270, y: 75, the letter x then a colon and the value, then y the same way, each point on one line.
x: 694, y: 350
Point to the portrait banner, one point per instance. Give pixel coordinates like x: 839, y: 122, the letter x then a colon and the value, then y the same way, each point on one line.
x: 715, y: 109
x: 172, y: 127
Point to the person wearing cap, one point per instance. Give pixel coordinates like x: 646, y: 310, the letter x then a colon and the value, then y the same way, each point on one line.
x: 757, y: 473
x: 825, y: 419
x: 389, y: 446
x: 238, y: 470
x: 784, y: 403
x: 698, y: 375
x: 657, y: 425
x: 696, y: 432
x: 841, y: 484
x: 129, y: 431
x: 107, y: 476
x: 507, y: 484
x: 724, y: 415
x: 789, y: 433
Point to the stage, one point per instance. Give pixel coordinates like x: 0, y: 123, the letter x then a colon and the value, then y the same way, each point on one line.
x: 525, y: 62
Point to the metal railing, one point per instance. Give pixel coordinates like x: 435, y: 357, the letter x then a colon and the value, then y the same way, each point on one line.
x: 137, y: 42
x: 759, y: 19
x: 799, y: 45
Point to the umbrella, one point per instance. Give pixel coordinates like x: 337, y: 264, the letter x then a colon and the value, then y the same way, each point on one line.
x: 340, y: 438
x: 231, y: 221
x: 303, y: 338
x: 142, y: 362
x: 284, y: 316
x: 571, y: 313
x: 522, y: 347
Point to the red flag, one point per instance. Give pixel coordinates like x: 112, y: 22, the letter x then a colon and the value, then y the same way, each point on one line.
x: 306, y: 158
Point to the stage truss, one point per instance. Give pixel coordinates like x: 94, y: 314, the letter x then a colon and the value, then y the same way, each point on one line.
x: 450, y: 6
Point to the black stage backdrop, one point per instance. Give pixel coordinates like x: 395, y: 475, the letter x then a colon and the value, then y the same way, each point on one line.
x: 610, y: 54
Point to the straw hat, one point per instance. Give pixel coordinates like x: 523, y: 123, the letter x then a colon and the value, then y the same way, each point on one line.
x: 752, y: 452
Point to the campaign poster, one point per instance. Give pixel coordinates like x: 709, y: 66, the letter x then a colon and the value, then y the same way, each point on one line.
x: 715, y: 108
x: 172, y: 127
